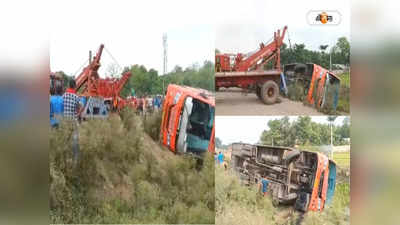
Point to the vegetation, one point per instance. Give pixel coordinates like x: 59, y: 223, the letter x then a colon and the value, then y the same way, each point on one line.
x: 303, y: 131
x: 340, y: 54
x: 148, y: 82
x: 344, y: 93
x: 240, y: 204
x: 122, y: 176
x: 151, y: 125
x: 342, y: 159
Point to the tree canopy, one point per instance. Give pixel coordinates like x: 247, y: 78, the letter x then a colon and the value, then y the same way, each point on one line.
x: 303, y: 131
x: 298, y: 53
x: 148, y: 82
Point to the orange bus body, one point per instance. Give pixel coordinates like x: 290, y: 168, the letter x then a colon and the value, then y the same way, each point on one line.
x: 303, y: 178
x: 172, y: 115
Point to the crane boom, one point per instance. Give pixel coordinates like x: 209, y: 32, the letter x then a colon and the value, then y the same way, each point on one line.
x: 121, y: 82
x: 86, y: 80
x: 265, y: 53
x: 89, y: 83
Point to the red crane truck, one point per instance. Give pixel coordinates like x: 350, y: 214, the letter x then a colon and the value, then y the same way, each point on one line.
x: 247, y: 72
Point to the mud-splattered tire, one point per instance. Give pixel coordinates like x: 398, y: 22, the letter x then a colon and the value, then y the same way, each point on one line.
x: 269, y: 92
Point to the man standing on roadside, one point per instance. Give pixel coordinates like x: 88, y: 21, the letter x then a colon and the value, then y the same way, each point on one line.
x: 220, y: 158
x: 72, y: 105
x: 56, y: 104
x: 263, y: 185
x: 72, y: 109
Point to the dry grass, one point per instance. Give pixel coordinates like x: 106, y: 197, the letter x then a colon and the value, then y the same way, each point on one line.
x: 122, y: 176
x: 239, y: 204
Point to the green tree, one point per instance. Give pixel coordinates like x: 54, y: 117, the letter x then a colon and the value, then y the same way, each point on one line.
x: 343, y: 46
x: 323, y: 48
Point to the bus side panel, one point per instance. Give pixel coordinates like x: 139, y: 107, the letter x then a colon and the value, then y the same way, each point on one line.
x: 211, y: 146
x: 174, y: 121
x: 315, y: 201
x: 311, y: 89
x: 331, y: 182
x: 325, y: 185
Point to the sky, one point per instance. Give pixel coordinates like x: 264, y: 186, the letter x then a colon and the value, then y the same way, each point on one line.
x: 257, y: 21
x: 132, y: 32
x: 248, y: 129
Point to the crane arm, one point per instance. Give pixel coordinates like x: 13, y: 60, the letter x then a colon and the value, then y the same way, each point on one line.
x: 265, y: 51
x: 121, y: 82
x: 90, y: 70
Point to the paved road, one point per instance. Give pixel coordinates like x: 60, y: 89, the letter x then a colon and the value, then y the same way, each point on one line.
x: 234, y: 102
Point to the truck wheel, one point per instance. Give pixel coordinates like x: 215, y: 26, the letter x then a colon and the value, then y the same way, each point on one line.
x: 269, y: 92
x: 258, y: 92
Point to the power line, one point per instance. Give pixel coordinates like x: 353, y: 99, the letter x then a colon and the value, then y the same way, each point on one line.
x: 87, y: 60
x: 113, y: 58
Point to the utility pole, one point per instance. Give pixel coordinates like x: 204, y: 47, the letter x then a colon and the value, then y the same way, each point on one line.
x: 330, y: 58
x: 165, y: 59
x: 165, y: 46
x: 331, y: 120
x: 331, y: 141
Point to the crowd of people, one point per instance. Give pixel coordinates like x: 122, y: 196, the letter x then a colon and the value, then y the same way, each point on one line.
x: 219, y: 160
x: 68, y: 106
x: 146, y: 104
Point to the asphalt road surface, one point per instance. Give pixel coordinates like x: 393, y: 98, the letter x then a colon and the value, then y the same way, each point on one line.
x: 234, y: 102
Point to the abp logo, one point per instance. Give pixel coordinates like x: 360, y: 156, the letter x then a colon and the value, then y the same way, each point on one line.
x: 324, y: 17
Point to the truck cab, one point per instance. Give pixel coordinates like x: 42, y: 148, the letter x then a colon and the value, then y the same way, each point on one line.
x: 187, y: 125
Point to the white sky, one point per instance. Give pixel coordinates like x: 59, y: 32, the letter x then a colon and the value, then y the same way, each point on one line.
x: 132, y: 31
x: 248, y: 129
x: 256, y: 22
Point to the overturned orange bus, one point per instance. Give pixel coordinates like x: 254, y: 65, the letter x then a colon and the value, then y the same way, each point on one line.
x: 187, y: 124
x: 304, y: 179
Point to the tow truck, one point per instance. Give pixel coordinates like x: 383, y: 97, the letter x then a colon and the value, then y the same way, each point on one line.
x: 247, y: 71
x: 100, y: 95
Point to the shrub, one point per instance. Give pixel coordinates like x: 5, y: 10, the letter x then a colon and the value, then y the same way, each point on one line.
x: 116, y: 180
x: 240, y: 204
x: 152, y: 123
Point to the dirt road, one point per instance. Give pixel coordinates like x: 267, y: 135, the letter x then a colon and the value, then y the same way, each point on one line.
x: 234, y: 102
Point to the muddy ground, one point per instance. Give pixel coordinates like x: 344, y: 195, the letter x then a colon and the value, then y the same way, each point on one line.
x: 233, y: 101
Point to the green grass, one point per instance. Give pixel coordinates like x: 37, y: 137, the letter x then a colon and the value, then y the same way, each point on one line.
x: 342, y: 159
x: 239, y: 204
x: 345, y: 79
x: 296, y: 93
x: 120, y: 179
x: 344, y: 93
